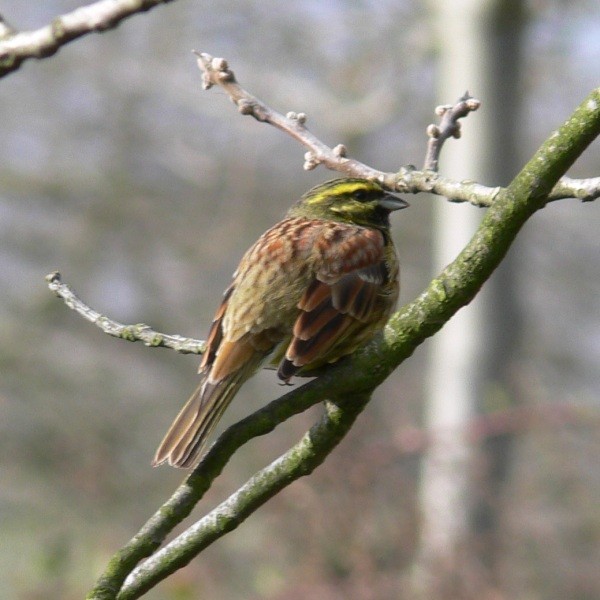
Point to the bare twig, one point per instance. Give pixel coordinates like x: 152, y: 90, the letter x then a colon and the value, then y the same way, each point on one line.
x: 132, y: 333
x: 216, y: 71
x: 472, y: 192
x: 483, y: 196
x: 5, y: 29
x: 449, y: 127
x: 584, y: 189
x: 15, y: 47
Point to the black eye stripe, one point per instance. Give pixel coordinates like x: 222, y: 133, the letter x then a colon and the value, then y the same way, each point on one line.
x: 360, y: 195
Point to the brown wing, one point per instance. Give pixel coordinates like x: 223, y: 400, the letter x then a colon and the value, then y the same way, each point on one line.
x: 353, y: 293
x: 215, y: 333
x: 224, y: 368
x: 224, y: 356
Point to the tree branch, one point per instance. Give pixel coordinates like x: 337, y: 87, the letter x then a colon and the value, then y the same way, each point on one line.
x: 132, y: 333
x: 449, y: 127
x: 16, y: 47
x: 216, y: 71
x: 191, y: 491
x: 354, y: 378
x: 584, y: 189
x: 298, y: 461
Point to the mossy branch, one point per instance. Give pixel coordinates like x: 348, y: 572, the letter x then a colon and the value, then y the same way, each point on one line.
x: 299, y: 461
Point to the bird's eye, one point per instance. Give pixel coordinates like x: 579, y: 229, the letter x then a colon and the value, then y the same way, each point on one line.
x: 360, y: 195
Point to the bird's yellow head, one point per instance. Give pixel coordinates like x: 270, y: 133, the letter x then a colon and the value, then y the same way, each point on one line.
x: 357, y: 201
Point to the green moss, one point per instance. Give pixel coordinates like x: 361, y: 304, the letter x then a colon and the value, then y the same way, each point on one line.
x: 156, y: 340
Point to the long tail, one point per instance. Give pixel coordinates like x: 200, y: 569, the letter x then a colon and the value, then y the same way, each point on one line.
x: 187, y: 435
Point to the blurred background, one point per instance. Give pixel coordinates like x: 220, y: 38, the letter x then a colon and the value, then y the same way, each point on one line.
x: 144, y: 191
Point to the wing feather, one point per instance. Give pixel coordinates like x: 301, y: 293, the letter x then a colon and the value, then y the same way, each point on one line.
x: 345, y: 299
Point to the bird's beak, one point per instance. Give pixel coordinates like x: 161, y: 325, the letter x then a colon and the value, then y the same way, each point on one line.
x: 391, y: 203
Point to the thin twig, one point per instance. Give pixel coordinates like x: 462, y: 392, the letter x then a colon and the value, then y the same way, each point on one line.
x: 585, y: 190
x: 216, y: 71
x: 5, y: 29
x: 132, y: 333
x: 16, y: 47
x: 449, y: 127
x: 454, y: 191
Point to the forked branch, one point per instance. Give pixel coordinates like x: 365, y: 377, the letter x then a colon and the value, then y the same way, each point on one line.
x: 216, y: 71
x: 449, y: 127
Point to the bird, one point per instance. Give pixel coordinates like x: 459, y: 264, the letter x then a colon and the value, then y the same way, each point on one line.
x: 311, y: 290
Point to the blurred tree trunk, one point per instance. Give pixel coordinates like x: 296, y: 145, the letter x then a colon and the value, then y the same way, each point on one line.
x: 479, y: 49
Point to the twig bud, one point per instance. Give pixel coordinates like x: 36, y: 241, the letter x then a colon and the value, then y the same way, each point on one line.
x: 433, y: 131
x: 245, y: 107
x: 310, y: 161
x: 340, y: 150
x: 473, y: 104
x: 298, y: 117
x: 219, y: 64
